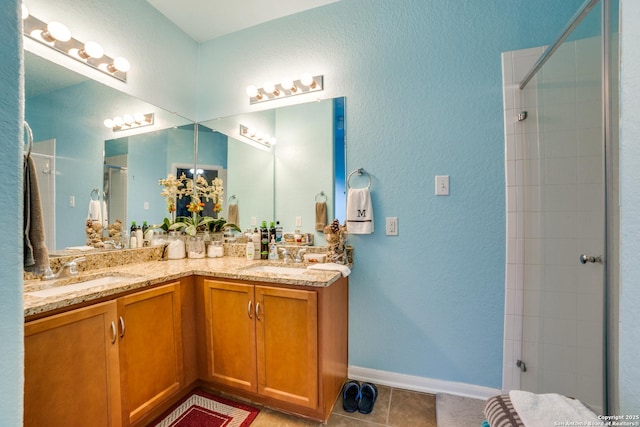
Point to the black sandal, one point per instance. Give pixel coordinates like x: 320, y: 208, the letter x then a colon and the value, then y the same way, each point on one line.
x: 350, y: 396
x: 368, y: 396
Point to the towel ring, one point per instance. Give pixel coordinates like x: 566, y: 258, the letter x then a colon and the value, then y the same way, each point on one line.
x: 232, y: 198
x: 29, y: 138
x: 360, y: 172
x: 321, y: 195
x: 95, y: 192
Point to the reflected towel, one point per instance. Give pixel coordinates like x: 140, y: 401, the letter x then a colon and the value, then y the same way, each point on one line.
x: 95, y: 211
x: 105, y: 215
x: 234, y: 214
x: 321, y: 216
x: 359, y: 211
x: 35, y: 254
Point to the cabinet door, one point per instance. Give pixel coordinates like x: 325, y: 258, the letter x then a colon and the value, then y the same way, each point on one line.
x: 71, y: 369
x: 150, y: 348
x: 287, y: 345
x: 230, y: 334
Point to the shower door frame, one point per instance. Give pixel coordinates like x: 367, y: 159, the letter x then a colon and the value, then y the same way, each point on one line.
x: 513, y: 298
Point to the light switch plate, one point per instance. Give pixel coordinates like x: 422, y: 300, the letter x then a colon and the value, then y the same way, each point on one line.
x: 298, y: 221
x: 145, y: 205
x: 442, y: 185
x: 392, y: 226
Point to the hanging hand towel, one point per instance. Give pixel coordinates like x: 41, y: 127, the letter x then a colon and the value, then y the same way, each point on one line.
x: 105, y: 215
x: 321, y: 215
x: 234, y: 214
x: 359, y: 211
x: 35, y: 254
x: 95, y: 211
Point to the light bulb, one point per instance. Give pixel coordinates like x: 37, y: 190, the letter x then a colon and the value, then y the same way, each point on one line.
x: 252, y: 91
x: 307, y: 80
x: 259, y: 136
x: 119, y: 64
x: 270, y: 87
x: 92, y: 50
x: 118, y: 121
x: 252, y: 132
x: 25, y: 11
x: 287, y: 84
x: 128, y: 119
x: 272, y: 140
x: 56, y: 31
x: 138, y: 117
x: 109, y: 123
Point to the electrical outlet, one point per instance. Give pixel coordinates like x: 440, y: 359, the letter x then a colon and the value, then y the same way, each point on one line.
x: 392, y: 226
x: 298, y: 221
x: 442, y: 185
x: 145, y: 205
x: 253, y: 220
x: 72, y: 201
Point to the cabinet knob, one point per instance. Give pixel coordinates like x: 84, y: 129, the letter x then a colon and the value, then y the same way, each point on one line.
x: 114, y: 333
x: 121, y: 327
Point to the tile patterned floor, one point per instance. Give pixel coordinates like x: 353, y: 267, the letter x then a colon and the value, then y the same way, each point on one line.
x: 394, y: 408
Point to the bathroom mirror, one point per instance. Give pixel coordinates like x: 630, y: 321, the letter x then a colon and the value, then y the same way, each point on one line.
x: 66, y: 112
x: 284, y: 182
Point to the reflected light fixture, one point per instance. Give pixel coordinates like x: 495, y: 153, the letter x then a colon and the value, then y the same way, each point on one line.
x: 57, y: 36
x: 129, y: 121
x: 287, y: 87
x: 263, y: 140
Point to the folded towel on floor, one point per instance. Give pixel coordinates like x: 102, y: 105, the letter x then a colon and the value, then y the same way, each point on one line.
x: 321, y: 215
x: 359, y: 211
x: 234, y: 216
x: 543, y: 410
x: 331, y: 266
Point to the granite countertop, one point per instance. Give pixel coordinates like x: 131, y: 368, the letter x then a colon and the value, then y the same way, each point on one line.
x: 140, y: 275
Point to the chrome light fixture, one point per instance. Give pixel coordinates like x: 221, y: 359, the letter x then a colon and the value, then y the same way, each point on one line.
x: 287, y: 87
x: 129, y: 121
x: 263, y: 140
x: 58, y: 37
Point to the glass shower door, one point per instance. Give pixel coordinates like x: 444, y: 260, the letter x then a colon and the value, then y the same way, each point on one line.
x: 563, y: 222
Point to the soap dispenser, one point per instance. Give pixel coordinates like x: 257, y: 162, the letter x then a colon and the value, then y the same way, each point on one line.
x: 273, y: 250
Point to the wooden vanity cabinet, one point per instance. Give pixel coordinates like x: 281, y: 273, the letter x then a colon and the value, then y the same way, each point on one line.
x: 151, y: 353
x: 72, y: 369
x: 277, y: 345
x: 107, y: 364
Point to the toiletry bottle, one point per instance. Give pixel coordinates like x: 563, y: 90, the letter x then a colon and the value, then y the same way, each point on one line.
x: 256, y: 243
x: 249, y: 250
x: 133, y: 228
x: 272, y: 231
x: 278, y: 232
x: 297, y: 237
x: 264, y: 241
x: 139, y: 237
x: 133, y: 241
x: 273, y: 249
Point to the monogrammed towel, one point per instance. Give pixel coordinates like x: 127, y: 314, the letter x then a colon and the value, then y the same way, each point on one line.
x: 359, y: 211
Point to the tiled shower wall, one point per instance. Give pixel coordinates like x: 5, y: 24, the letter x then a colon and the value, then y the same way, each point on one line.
x: 555, y: 189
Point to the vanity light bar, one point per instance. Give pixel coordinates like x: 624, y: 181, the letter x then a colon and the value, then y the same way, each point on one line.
x: 258, y: 137
x: 129, y: 121
x: 58, y: 37
x: 287, y: 87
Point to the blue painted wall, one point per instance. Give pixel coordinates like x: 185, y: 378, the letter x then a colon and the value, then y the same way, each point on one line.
x: 629, y: 367
x: 11, y: 307
x: 423, y: 91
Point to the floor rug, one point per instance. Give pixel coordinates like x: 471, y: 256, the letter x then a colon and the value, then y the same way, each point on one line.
x: 203, y: 409
x: 458, y: 411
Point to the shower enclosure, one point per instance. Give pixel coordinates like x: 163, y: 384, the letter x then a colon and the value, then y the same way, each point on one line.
x: 562, y: 219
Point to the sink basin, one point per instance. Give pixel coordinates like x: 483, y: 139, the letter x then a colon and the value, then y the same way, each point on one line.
x: 79, y: 286
x: 274, y: 269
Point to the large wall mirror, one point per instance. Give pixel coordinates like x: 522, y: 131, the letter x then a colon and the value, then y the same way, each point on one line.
x: 79, y: 159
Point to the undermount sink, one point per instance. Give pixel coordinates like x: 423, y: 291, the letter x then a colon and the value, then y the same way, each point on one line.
x: 78, y: 286
x: 274, y: 269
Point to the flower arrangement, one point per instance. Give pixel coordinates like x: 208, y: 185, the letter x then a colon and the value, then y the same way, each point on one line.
x: 199, y: 191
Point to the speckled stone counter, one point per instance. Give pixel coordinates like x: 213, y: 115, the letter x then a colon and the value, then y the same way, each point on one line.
x: 138, y: 275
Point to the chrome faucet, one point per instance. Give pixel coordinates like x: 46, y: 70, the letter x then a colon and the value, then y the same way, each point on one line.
x: 287, y: 255
x: 67, y: 270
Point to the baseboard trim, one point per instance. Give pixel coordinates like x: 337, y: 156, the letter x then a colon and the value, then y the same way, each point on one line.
x: 421, y: 384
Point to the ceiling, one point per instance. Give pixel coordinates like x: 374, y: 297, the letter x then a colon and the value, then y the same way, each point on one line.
x: 204, y: 20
